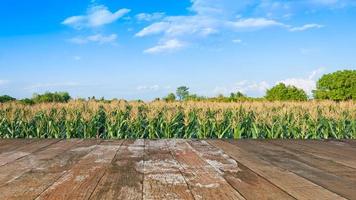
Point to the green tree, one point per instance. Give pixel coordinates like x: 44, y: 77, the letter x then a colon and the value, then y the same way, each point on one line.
x: 6, y: 98
x: 281, y: 92
x: 182, y: 92
x: 61, y: 97
x: 170, y: 97
x: 338, y: 86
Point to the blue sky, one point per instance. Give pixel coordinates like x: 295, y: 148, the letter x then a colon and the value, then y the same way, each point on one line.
x: 138, y: 49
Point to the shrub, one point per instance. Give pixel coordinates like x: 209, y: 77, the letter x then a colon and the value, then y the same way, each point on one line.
x: 281, y: 92
x: 6, y: 98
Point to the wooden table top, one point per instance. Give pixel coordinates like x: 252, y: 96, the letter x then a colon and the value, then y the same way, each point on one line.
x: 177, y: 169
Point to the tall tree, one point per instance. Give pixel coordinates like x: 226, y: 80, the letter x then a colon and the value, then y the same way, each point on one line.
x: 182, y: 92
x: 338, y: 86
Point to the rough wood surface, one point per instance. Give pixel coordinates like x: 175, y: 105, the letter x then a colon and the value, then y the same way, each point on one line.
x: 203, y: 180
x: 123, y: 179
x: 296, y: 186
x: 244, y: 180
x: 24, y: 150
x: 177, y: 169
x: 319, y: 171
x: 162, y: 176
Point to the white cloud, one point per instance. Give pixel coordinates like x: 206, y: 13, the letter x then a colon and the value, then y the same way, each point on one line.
x: 98, y: 38
x: 150, y: 17
x: 308, y: 84
x: 213, y: 17
x: 306, y: 27
x: 237, y: 41
x: 96, y: 16
x: 254, y: 23
x: 246, y: 87
x: 166, y: 46
x: 148, y: 87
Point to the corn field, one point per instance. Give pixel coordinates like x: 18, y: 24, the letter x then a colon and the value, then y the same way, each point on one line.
x: 119, y: 120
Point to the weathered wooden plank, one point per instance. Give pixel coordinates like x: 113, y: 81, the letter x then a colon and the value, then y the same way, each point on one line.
x: 244, y: 180
x: 303, y: 166
x: 80, y: 181
x: 202, y: 179
x: 331, y: 147
x: 162, y: 177
x: 15, y: 169
x: 49, y: 169
x: 319, y: 152
x: 123, y: 179
x: 8, y: 145
x: 25, y: 150
x: 296, y: 186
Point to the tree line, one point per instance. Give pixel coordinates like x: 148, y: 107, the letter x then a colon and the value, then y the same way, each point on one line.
x: 337, y: 86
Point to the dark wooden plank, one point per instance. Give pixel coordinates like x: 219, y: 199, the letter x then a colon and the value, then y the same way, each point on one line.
x: 31, y: 184
x: 296, y: 186
x: 319, y: 151
x: 297, y: 164
x: 244, y: 180
x: 333, y: 148
x: 202, y: 179
x: 124, y: 177
x: 81, y: 180
x: 25, y: 150
x: 15, y: 169
x: 162, y: 177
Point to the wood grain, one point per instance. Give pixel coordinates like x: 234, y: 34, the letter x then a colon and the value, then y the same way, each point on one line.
x: 124, y: 177
x: 203, y: 181
x: 244, y: 180
x: 296, y: 186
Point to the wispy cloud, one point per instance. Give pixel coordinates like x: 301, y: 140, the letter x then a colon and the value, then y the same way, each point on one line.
x: 248, y: 87
x: 150, y: 17
x: 166, y: 46
x: 308, y: 84
x: 98, y: 38
x: 209, y: 17
x: 306, y: 27
x: 96, y: 16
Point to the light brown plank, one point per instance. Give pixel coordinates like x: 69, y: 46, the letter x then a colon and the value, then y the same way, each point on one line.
x: 318, y: 151
x: 25, y: 150
x: 162, y: 177
x: 15, y: 169
x: 202, y: 179
x: 244, y: 180
x: 31, y: 184
x: 124, y: 177
x: 296, y: 186
x: 80, y: 181
x: 297, y: 164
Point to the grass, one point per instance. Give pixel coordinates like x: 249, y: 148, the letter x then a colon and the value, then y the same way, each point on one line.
x: 118, y: 119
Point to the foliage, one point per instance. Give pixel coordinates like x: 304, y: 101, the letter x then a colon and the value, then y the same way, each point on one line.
x: 170, y: 97
x: 281, y: 92
x: 119, y: 119
x: 182, y: 92
x: 6, y: 98
x: 27, y: 101
x: 59, y: 97
x: 338, y: 86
